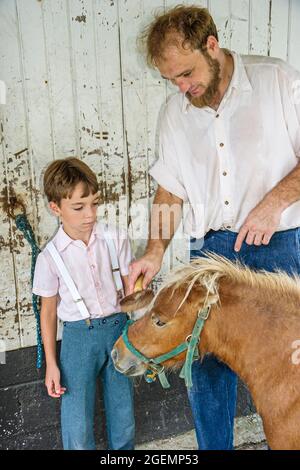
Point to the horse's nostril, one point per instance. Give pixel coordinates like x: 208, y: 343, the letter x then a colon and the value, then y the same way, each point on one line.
x: 114, y: 355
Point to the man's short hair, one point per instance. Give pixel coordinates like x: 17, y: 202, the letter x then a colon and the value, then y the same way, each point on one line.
x: 187, y: 26
x: 62, y: 176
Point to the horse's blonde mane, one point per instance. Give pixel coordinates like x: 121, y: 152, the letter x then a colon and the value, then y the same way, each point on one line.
x: 210, y: 269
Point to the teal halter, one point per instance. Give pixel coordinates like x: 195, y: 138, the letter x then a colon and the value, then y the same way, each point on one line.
x: 190, y: 344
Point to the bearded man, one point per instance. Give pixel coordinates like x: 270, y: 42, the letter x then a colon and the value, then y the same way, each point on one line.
x: 229, y: 145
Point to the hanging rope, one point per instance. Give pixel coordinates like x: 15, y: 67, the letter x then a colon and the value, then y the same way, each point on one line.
x: 25, y: 227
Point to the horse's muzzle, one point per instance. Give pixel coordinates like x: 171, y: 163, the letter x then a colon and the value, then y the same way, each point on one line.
x: 125, y: 362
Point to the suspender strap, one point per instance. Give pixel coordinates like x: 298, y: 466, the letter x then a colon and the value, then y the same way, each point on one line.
x: 114, y: 259
x: 68, y: 280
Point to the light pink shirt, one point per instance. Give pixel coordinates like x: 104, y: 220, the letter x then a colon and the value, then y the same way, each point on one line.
x: 90, y: 268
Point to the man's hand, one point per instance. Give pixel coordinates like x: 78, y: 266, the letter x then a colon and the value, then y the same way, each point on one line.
x: 52, y: 382
x: 260, y: 224
x: 148, y: 265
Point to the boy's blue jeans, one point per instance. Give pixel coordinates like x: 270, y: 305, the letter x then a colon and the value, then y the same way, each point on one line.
x: 85, y: 354
x: 214, y: 391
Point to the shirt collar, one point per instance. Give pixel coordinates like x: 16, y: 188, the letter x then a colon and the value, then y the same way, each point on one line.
x: 239, y: 80
x: 63, y: 240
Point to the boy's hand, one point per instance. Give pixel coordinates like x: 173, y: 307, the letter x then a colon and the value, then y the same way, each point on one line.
x: 52, y: 382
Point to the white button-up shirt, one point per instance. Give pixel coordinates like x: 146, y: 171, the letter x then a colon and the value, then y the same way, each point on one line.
x: 90, y: 268
x: 222, y: 163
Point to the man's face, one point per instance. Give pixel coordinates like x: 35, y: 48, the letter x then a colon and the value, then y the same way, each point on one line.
x: 78, y: 213
x: 195, y: 73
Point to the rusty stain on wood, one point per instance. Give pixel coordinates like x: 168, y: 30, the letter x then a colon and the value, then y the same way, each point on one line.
x: 95, y: 152
x: 81, y: 18
x: 12, y: 203
x: 129, y: 179
x: 269, y: 29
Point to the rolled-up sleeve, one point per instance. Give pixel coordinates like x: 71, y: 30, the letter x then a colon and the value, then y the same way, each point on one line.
x: 45, y: 281
x: 161, y: 173
x: 165, y: 169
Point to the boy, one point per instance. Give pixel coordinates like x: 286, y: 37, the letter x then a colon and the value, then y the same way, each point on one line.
x: 72, y: 191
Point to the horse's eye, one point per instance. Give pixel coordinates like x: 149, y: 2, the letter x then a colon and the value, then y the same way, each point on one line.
x: 157, y: 321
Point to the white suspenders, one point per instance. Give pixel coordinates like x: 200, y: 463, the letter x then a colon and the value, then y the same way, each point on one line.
x: 69, y: 281
x: 113, y: 259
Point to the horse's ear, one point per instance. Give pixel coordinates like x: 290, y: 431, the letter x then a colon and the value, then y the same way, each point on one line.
x: 201, y: 294
x: 136, y: 301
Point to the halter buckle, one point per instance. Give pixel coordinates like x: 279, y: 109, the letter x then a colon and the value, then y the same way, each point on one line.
x: 150, y: 375
x: 204, y: 313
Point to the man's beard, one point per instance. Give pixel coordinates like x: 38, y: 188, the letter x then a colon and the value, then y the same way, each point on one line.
x: 207, y: 98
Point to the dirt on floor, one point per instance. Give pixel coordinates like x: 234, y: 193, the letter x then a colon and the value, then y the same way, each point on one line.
x: 249, y: 435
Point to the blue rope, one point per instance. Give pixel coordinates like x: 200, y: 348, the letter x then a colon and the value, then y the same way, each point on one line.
x: 25, y: 227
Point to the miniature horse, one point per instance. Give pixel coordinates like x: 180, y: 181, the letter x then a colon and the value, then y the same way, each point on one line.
x: 254, y: 327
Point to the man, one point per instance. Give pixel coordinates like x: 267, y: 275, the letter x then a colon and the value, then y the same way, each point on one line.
x: 229, y: 145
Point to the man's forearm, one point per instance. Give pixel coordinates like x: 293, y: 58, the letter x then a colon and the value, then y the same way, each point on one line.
x: 165, y: 219
x: 287, y: 191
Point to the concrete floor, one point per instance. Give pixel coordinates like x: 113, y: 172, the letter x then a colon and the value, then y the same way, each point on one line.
x: 249, y: 435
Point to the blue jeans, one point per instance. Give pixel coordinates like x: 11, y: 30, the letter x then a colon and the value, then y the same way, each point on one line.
x: 85, y: 354
x: 213, y: 394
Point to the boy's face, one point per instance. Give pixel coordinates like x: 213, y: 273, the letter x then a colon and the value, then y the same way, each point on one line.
x: 78, y: 213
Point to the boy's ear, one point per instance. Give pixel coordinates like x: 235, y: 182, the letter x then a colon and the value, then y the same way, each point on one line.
x: 54, y: 208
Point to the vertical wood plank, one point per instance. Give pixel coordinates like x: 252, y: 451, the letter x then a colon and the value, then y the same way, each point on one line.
x: 259, y: 27
x: 140, y: 87
x: 59, y: 78
x: 221, y: 13
x: 40, y: 143
x: 279, y: 29
x: 240, y: 26
x: 112, y: 162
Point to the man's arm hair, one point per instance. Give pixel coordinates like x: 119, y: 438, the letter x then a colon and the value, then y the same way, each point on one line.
x: 287, y: 191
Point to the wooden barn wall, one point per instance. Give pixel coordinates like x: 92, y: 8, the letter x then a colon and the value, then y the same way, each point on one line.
x: 76, y: 85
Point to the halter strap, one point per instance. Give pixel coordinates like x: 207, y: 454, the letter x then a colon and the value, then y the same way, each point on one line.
x: 190, y: 345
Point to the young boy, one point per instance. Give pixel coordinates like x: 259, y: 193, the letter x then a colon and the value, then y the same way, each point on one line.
x: 72, y: 191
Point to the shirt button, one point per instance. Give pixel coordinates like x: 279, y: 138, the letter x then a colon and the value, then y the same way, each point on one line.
x: 221, y: 144
x: 224, y: 173
x: 217, y: 115
x: 228, y: 226
x: 226, y: 202
x: 104, y: 321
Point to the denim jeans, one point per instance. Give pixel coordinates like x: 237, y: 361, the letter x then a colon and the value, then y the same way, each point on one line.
x: 85, y: 354
x: 213, y: 394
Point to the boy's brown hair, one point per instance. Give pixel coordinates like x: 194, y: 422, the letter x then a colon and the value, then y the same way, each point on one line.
x: 191, y: 25
x: 62, y: 176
